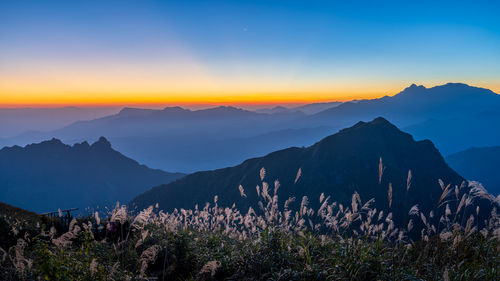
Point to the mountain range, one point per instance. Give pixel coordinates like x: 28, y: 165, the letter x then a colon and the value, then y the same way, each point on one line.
x: 454, y: 116
x: 14, y: 121
x: 417, y: 104
x: 178, y: 139
x: 308, y: 109
x: 50, y: 175
x: 337, y: 166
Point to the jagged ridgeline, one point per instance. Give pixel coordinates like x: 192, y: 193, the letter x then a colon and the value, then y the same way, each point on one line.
x: 374, y: 159
x: 50, y: 175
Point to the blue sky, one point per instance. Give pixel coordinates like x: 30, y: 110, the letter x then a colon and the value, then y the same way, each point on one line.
x: 356, y: 47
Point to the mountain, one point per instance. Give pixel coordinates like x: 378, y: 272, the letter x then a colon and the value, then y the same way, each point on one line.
x: 459, y: 133
x: 338, y: 165
x: 14, y: 121
x: 479, y: 164
x: 178, y: 139
x: 273, y: 110
x: 49, y: 175
x: 28, y: 217
x: 314, y: 108
x: 308, y: 109
x: 417, y: 104
x: 454, y: 116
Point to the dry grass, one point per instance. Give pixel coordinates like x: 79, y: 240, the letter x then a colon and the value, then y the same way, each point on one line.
x: 273, y: 241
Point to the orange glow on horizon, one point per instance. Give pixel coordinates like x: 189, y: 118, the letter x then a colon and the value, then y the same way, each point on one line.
x: 116, y: 83
x: 191, y: 100
x: 111, y: 82
x: 195, y: 99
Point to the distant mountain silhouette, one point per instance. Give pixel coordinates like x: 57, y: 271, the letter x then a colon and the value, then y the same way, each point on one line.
x: 472, y: 128
x: 50, y: 175
x: 417, y: 104
x: 479, y: 164
x: 314, y: 108
x: 178, y: 139
x: 337, y: 165
x: 14, y: 121
x: 454, y: 116
x: 308, y: 109
x: 273, y: 110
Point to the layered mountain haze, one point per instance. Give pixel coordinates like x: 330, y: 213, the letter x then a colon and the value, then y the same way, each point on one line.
x: 308, y: 109
x: 417, y: 104
x: 50, y: 175
x: 454, y: 116
x: 14, y: 121
x: 337, y: 166
x: 176, y: 139
x: 479, y: 164
x: 472, y: 128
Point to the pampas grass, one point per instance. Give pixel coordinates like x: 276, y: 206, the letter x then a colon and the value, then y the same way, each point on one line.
x: 288, y: 240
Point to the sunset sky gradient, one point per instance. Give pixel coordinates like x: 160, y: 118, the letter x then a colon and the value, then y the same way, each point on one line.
x: 240, y: 52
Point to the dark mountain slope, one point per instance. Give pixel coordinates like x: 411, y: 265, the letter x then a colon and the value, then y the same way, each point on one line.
x: 50, y: 175
x: 480, y: 164
x: 338, y: 165
x: 25, y: 216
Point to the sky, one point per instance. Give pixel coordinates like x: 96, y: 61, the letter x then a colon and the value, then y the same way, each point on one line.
x: 240, y: 52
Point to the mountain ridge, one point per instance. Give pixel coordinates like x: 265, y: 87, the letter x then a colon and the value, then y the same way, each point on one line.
x: 423, y: 96
x: 50, y: 175
x: 337, y: 165
x: 454, y: 116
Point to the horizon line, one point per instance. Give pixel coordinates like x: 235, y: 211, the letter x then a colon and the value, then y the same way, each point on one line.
x: 255, y: 100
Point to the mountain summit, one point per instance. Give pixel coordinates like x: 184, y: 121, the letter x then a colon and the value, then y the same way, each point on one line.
x: 413, y: 88
x: 338, y: 166
x: 50, y: 175
x: 417, y: 104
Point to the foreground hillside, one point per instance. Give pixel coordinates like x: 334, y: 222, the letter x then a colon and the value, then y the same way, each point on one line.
x: 372, y: 159
x: 50, y: 175
x: 332, y: 242
x: 29, y: 218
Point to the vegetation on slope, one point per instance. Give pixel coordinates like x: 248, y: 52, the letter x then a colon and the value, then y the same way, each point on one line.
x: 337, y: 165
x: 333, y: 242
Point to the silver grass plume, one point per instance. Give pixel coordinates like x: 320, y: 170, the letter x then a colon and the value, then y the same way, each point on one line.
x: 408, y: 181
x: 389, y: 194
x: 242, y: 191
x: 381, y: 169
x: 299, y: 173
x: 262, y: 173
